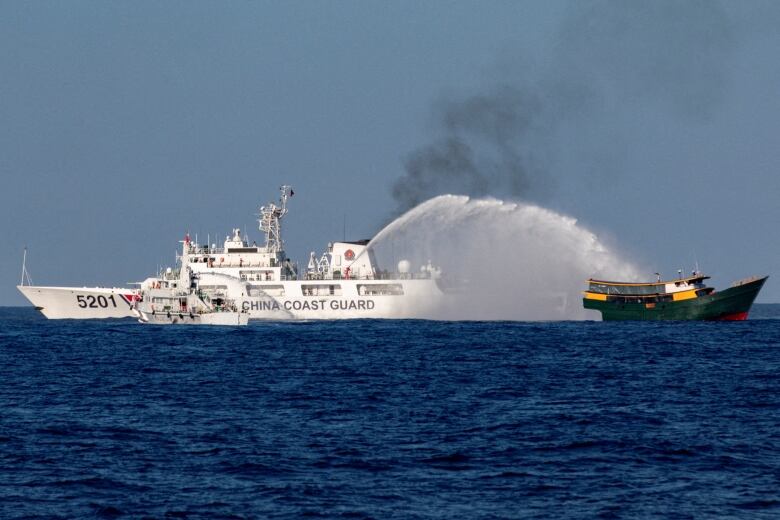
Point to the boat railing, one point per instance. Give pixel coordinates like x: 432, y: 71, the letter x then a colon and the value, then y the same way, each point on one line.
x: 206, y: 250
x: 389, y: 275
x: 642, y: 298
x: 382, y: 275
x: 745, y: 281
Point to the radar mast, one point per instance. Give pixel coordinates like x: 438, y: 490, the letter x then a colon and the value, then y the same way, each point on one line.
x: 270, y: 221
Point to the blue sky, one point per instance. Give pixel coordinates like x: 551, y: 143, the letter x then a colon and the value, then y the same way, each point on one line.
x: 127, y: 124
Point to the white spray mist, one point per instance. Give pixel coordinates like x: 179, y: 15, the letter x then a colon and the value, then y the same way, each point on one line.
x: 508, y: 260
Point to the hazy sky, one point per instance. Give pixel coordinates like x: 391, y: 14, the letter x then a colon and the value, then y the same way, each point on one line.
x: 124, y: 125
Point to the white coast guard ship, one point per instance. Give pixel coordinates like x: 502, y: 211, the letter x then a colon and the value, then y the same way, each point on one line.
x: 262, y: 282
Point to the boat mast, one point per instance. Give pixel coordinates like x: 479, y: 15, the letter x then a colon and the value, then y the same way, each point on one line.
x: 25, y: 274
x: 270, y: 221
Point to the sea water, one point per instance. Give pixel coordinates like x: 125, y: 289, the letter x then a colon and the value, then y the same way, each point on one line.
x: 390, y: 419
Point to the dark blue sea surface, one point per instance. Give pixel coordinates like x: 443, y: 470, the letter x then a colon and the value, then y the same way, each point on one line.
x: 390, y: 419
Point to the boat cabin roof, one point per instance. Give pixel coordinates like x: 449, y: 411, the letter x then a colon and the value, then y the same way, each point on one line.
x: 689, y: 280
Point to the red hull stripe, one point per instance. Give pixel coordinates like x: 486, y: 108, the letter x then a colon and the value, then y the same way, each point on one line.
x: 737, y: 316
x: 130, y: 298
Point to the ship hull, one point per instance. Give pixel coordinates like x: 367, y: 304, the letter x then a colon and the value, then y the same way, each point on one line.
x: 211, y: 318
x: 80, y: 303
x: 732, y: 304
x: 415, y: 299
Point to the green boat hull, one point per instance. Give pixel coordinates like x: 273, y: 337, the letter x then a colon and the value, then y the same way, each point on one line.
x: 731, y: 304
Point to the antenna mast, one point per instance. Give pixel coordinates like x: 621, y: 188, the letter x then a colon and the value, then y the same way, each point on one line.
x: 270, y: 221
x: 25, y: 274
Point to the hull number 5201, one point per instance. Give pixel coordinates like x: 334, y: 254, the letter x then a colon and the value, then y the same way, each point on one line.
x: 95, y: 302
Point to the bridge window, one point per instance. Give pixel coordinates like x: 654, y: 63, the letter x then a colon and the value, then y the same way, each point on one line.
x: 391, y: 289
x: 321, y: 290
x: 266, y: 290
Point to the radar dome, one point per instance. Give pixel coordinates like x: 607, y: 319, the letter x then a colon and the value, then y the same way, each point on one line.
x: 404, y: 267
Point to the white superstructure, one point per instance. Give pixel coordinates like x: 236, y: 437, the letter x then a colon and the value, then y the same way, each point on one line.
x: 263, y: 283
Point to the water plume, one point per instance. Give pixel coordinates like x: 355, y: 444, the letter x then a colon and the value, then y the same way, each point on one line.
x: 506, y: 260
